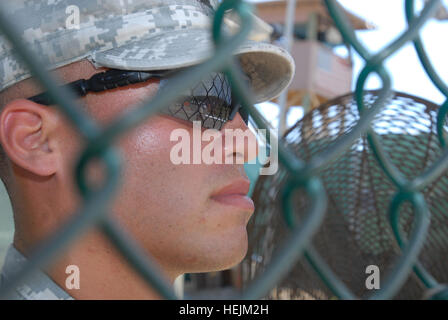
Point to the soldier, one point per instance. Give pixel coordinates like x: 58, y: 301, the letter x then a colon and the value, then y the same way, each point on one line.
x: 187, y: 218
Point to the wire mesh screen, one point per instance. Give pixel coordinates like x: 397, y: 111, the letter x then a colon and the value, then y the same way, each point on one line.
x: 356, y: 192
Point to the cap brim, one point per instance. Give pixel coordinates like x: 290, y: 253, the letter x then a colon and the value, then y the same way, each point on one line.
x: 270, y: 68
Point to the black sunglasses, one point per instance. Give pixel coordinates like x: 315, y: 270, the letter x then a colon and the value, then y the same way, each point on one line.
x: 211, y: 101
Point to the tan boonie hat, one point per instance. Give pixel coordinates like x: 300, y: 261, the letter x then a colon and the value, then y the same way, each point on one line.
x: 132, y: 35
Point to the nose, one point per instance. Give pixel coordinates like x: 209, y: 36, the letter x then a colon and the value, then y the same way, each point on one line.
x: 240, y: 144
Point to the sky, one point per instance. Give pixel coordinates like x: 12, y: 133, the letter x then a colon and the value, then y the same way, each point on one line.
x: 407, y: 73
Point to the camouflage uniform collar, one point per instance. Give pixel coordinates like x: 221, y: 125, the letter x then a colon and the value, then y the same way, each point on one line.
x: 38, y: 287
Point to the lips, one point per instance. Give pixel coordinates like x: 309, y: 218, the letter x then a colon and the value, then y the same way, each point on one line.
x: 235, y: 194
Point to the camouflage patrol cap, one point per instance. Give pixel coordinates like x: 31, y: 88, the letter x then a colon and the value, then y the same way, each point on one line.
x: 132, y: 35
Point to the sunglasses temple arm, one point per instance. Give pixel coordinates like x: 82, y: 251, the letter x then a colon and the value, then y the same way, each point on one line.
x: 118, y: 78
x: 100, y: 82
x: 80, y: 87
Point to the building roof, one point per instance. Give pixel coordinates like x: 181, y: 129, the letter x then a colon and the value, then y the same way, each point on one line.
x: 304, y: 7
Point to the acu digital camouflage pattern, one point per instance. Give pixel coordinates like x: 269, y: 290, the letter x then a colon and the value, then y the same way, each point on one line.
x: 37, y: 287
x: 132, y: 35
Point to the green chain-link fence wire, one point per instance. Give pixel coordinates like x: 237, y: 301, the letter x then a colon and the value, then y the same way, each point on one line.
x: 302, y: 175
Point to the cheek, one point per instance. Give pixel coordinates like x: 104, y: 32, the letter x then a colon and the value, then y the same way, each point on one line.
x: 155, y: 191
x: 160, y: 203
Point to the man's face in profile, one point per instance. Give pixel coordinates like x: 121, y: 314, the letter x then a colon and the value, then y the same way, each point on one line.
x: 168, y: 208
x: 188, y: 217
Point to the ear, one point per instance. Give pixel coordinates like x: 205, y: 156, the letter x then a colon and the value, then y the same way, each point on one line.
x: 26, y: 134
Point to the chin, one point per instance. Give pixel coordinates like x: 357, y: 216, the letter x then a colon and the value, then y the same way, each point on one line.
x: 229, y: 256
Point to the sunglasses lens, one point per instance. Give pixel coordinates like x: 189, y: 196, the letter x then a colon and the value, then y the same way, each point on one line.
x: 210, y: 111
x: 209, y: 102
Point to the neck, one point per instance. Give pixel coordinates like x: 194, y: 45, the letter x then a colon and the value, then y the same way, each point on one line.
x: 103, y: 272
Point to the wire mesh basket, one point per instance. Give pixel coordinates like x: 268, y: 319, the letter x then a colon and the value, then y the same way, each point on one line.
x: 356, y: 231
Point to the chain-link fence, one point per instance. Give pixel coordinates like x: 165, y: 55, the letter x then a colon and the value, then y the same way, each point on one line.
x: 301, y: 175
